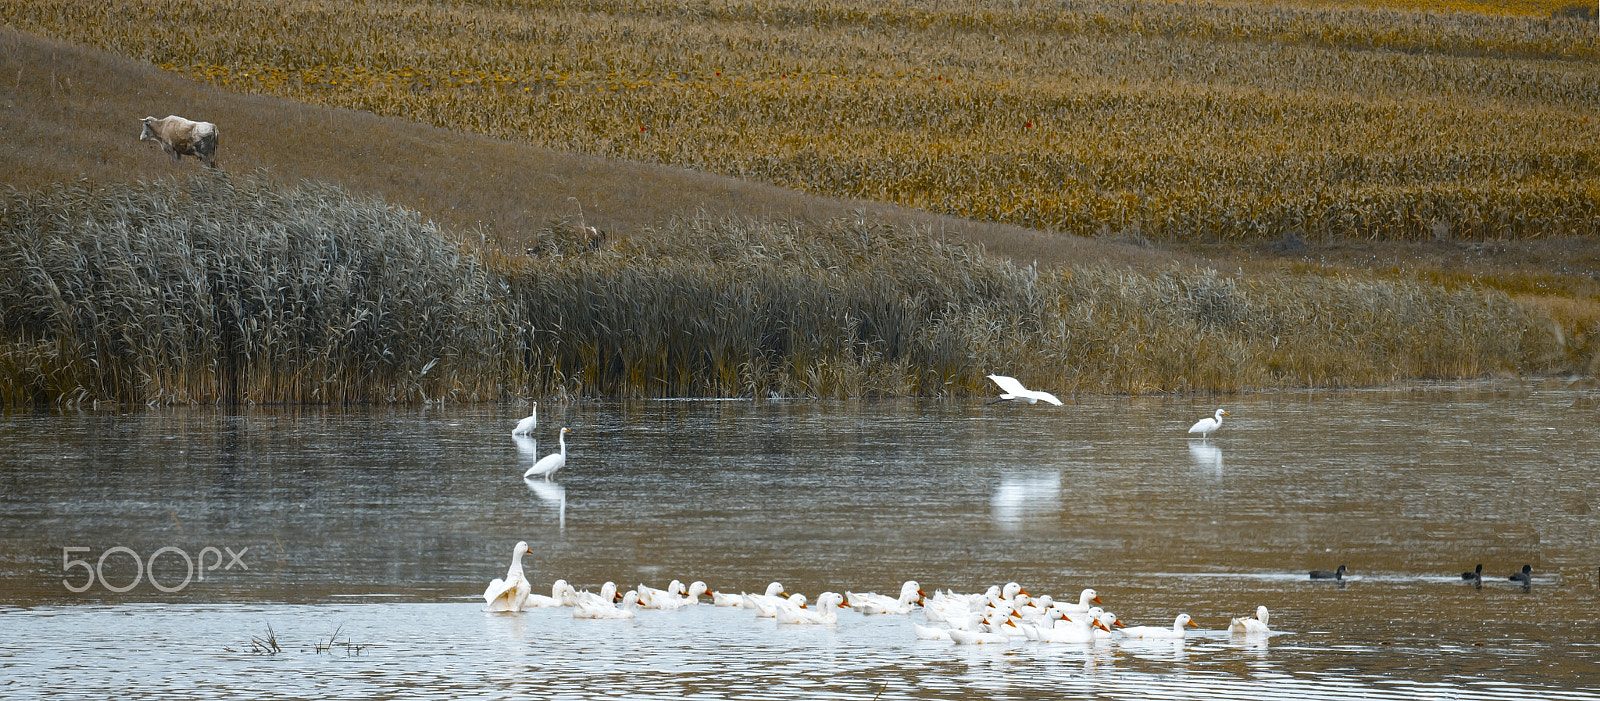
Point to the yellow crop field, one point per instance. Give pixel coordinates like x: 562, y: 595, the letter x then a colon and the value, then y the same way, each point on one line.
x: 1171, y: 120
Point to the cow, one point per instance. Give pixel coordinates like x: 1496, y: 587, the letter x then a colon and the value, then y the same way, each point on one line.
x: 181, y: 137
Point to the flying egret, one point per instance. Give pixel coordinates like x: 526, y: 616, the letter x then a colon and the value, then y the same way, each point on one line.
x: 1204, y: 427
x: 1012, y: 389
x: 548, y: 464
x: 525, y: 427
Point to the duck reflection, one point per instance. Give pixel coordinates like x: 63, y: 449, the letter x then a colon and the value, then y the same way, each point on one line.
x: 1206, y: 456
x: 1020, y: 497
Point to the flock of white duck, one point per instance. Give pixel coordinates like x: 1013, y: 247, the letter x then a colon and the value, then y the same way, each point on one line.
x: 999, y: 615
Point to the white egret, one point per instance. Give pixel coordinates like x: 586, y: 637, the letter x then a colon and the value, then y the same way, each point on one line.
x: 1010, y: 388
x: 1204, y: 427
x: 509, y: 594
x: 548, y: 464
x: 525, y: 427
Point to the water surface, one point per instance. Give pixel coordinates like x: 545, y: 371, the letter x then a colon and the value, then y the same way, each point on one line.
x: 386, y: 524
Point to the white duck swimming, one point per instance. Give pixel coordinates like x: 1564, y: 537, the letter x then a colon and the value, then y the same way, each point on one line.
x: 589, y: 609
x: 688, y: 598
x: 825, y: 612
x: 1108, y: 626
x: 723, y: 599
x: 769, y: 608
x: 1176, y: 631
x: 1251, y: 626
x: 774, y: 595
x: 648, y: 595
x: 606, y: 597
x: 1073, y: 630
x: 561, y: 594
x: 509, y: 593
x: 910, y: 594
x: 1086, y: 599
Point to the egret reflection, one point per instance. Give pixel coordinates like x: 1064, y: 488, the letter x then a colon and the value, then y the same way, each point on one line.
x: 1022, y: 497
x: 1206, y: 456
x: 550, y: 493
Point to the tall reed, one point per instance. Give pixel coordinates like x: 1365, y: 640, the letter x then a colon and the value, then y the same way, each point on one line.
x: 221, y: 289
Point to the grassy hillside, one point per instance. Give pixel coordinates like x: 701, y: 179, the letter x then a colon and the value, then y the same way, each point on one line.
x: 224, y: 288
x: 715, y: 285
x: 1182, y: 121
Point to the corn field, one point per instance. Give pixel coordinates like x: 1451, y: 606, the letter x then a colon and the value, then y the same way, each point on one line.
x: 224, y: 288
x: 1181, y: 121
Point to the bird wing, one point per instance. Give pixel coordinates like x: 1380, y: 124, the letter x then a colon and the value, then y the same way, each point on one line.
x: 1047, y: 397
x: 1009, y: 385
x: 497, y: 587
x: 1202, y: 426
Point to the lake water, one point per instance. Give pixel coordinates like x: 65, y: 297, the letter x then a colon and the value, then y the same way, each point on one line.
x: 380, y: 528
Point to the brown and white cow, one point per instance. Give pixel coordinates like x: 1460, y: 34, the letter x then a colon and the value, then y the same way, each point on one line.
x: 181, y: 137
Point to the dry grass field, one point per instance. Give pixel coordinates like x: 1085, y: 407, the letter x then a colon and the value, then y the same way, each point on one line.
x: 1394, y: 191
x: 1181, y: 121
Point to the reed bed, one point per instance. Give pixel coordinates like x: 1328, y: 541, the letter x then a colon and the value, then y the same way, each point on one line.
x: 228, y: 289
x: 223, y: 289
x: 1224, y: 121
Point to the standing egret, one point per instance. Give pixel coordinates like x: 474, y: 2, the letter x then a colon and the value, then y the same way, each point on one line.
x: 1012, y: 389
x: 525, y: 427
x: 1204, y: 427
x: 548, y: 464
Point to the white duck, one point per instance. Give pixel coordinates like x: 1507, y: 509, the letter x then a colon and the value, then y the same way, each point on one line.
x: 1251, y: 626
x: 561, y: 594
x: 722, y: 599
x: 1073, y: 630
x: 756, y: 601
x: 823, y: 614
x: 525, y: 427
x: 548, y: 464
x: 587, y: 609
x: 1086, y: 599
x: 945, y: 606
x: 648, y: 595
x: 910, y: 594
x: 988, y: 633
x: 930, y: 632
x: 1176, y: 631
x: 1108, y: 625
x: 688, y: 598
x: 509, y: 593
x: 606, y: 597
x: 769, y: 608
